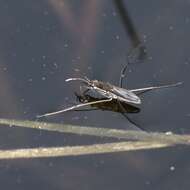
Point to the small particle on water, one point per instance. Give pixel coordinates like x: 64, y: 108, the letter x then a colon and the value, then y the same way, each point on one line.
x: 76, y: 118
x: 144, y: 50
x: 102, y: 162
x: 33, y: 59
x: 114, y: 13
x: 27, y: 25
x: 19, y: 180
x: 43, y: 78
x: 147, y: 182
x: 89, y: 68
x: 45, y: 13
x: 117, y: 37
x: 43, y: 57
x: 14, y: 54
x: 66, y: 98
x: 18, y: 30
x: 50, y: 164
x: 30, y: 80
x: 102, y: 51
x: 77, y: 70
x: 154, y: 75
x: 144, y: 36
x: 104, y: 15
x: 85, y: 117
x: 55, y: 65
x: 187, y: 19
x: 172, y: 168
x: 66, y: 45
x: 44, y: 65
x: 171, y: 27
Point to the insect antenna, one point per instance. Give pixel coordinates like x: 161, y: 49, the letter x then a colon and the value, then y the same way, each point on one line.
x: 86, y: 80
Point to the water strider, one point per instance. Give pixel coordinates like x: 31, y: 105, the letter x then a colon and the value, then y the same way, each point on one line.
x: 108, y: 106
x: 113, y: 98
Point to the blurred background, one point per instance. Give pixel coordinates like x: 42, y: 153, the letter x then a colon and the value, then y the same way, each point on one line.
x: 44, y: 42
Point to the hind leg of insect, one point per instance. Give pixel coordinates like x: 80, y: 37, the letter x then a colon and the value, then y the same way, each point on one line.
x: 130, y: 120
x: 143, y: 90
x: 126, y: 116
x: 74, y: 107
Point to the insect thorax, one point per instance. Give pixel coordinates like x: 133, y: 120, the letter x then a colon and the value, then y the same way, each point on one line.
x: 102, y: 85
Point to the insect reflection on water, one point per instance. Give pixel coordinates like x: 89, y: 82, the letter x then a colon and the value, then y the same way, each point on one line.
x: 112, y: 98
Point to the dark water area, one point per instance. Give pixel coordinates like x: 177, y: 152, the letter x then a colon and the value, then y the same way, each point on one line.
x: 42, y: 43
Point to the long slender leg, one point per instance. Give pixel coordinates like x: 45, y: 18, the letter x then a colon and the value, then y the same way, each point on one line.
x: 122, y: 75
x: 126, y: 116
x: 141, y: 56
x: 74, y: 107
x: 123, y: 70
x: 90, y: 109
x: 143, y: 90
x: 130, y: 120
x: 120, y: 105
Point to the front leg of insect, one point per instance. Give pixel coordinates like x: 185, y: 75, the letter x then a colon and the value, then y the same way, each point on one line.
x: 74, y: 107
x: 89, y: 86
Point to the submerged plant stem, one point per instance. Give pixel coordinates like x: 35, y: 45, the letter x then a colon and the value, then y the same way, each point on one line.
x: 101, y: 132
x: 143, y: 140
x: 79, y: 150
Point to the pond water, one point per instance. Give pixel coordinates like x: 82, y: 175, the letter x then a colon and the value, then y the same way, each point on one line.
x: 45, y: 42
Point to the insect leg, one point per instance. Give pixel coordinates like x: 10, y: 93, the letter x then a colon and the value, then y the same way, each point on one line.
x: 140, y: 55
x: 143, y: 90
x: 126, y: 116
x: 130, y: 120
x: 74, y: 107
x: 90, y: 109
x: 122, y: 75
